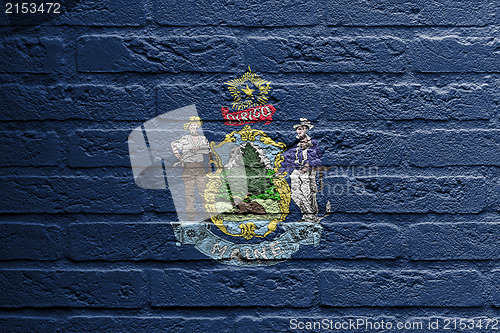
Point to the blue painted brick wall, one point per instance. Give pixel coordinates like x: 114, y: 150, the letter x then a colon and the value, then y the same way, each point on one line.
x: 407, y: 89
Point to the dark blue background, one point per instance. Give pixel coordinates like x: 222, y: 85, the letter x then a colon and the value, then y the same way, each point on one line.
x: 410, y: 88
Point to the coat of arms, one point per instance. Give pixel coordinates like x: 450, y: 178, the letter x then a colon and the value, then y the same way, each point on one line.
x: 233, y: 196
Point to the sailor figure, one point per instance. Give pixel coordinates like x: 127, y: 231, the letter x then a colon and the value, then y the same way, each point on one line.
x: 301, y: 162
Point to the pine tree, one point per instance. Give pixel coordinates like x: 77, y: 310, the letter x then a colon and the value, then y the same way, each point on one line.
x: 256, y: 172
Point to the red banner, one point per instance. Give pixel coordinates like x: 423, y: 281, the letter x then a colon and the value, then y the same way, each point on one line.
x: 251, y: 115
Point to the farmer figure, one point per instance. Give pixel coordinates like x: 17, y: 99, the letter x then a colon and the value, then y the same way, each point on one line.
x: 189, y: 149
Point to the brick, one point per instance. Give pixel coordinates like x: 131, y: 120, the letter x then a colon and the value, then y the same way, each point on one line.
x: 267, y: 324
x: 342, y: 148
x: 82, y: 101
x: 360, y: 101
x: 31, y: 241
x: 156, y: 55
x: 253, y: 13
x: 162, y: 201
x: 452, y: 54
x: 450, y: 241
x: 370, y: 148
x: 291, y: 98
x: 495, y: 196
x: 208, y: 99
x: 20, y: 324
x: 355, y: 288
x: 495, y: 283
x: 127, y: 241
x: 85, y: 13
x: 415, y: 13
x: 4, y: 18
x: 72, y: 195
x: 105, y: 13
x: 68, y: 288
x: 369, y: 192
x: 313, y: 54
x: 30, y: 55
x: 98, y: 148
x: 31, y: 148
x: 395, y: 194
x: 156, y: 241
x: 354, y: 241
x: 244, y: 287
x: 147, y: 324
x: 366, y: 101
x: 454, y: 147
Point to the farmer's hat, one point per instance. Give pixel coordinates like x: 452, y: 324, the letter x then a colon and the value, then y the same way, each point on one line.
x: 192, y: 120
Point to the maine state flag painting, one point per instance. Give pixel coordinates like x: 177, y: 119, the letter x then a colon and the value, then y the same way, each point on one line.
x: 249, y: 166
x: 231, y: 196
